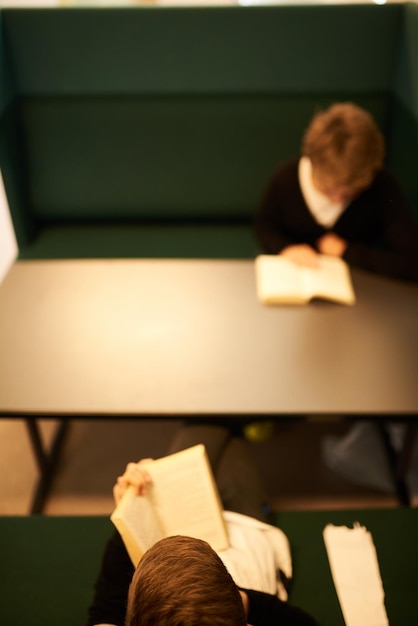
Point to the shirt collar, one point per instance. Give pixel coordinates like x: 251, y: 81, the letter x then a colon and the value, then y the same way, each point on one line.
x: 323, y: 210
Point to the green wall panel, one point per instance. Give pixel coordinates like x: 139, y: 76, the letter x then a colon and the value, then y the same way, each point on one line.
x: 166, y: 157
x: 6, y: 85
x: 227, y: 49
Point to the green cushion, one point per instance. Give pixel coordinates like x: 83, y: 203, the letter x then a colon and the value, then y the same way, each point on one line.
x: 403, y: 148
x: 286, y: 49
x: 395, y: 535
x: 6, y: 87
x: 193, y: 240
x: 168, y: 157
x: 403, y: 154
x: 13, y: 169
x: 48, y: 565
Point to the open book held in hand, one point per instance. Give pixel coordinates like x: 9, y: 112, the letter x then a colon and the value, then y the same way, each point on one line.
x: 182, y: 499
x: 280, y: 281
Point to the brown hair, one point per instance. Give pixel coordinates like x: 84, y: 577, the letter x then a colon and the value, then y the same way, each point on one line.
x: 344, y: 145
x: 181, y: 581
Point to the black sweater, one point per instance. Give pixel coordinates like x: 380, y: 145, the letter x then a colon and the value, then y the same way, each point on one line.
x: 381, y: 233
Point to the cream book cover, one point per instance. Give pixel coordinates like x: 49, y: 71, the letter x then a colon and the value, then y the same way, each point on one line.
x: 280, y: 281
x: 182, y: 499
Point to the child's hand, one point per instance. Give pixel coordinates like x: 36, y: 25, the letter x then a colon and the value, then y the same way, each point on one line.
x: 135, y: 475
x: 332, y: 244
x: 301, y: 254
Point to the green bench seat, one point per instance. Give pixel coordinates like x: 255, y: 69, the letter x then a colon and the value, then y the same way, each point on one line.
x: 227, y: 240
x: 48, y: 565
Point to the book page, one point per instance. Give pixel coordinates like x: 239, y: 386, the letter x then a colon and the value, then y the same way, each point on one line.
x: 135, y: 519
x: 278, y: 280
x: 185, y: 497
x: 331, y: 281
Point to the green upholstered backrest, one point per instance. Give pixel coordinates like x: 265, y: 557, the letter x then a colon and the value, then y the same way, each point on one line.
x: 394, y: 533
x: 403, y: 148
x: 171, y: 156
x: 281, y: 49
x: 180, y: 113
x: 48, y: 565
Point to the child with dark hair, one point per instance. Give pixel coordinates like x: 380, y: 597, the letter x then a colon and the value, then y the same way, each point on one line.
x: 181, y: 581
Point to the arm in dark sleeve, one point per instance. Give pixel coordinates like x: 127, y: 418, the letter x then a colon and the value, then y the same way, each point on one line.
x: 267, y: 225
x: 282, y: 218
x: 268, y: 610
x: 394, y: 252
x: 112, y: 585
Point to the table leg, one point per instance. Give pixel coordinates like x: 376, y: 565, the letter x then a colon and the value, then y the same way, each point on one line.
x: 46, y: 459
x: 399, y: 461
x: 405, y: 456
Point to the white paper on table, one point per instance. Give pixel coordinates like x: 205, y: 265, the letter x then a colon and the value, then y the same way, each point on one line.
x: 355, y: 571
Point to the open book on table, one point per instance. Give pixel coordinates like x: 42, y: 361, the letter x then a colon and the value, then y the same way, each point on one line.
x: 182, y: 499
x: 280, y: 281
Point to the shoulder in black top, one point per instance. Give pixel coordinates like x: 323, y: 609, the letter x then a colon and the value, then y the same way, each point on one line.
x: 268, y: 610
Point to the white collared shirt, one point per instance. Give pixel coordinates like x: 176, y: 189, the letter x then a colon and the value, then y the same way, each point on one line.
x: 324, y: 211
x: 256, y: 552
